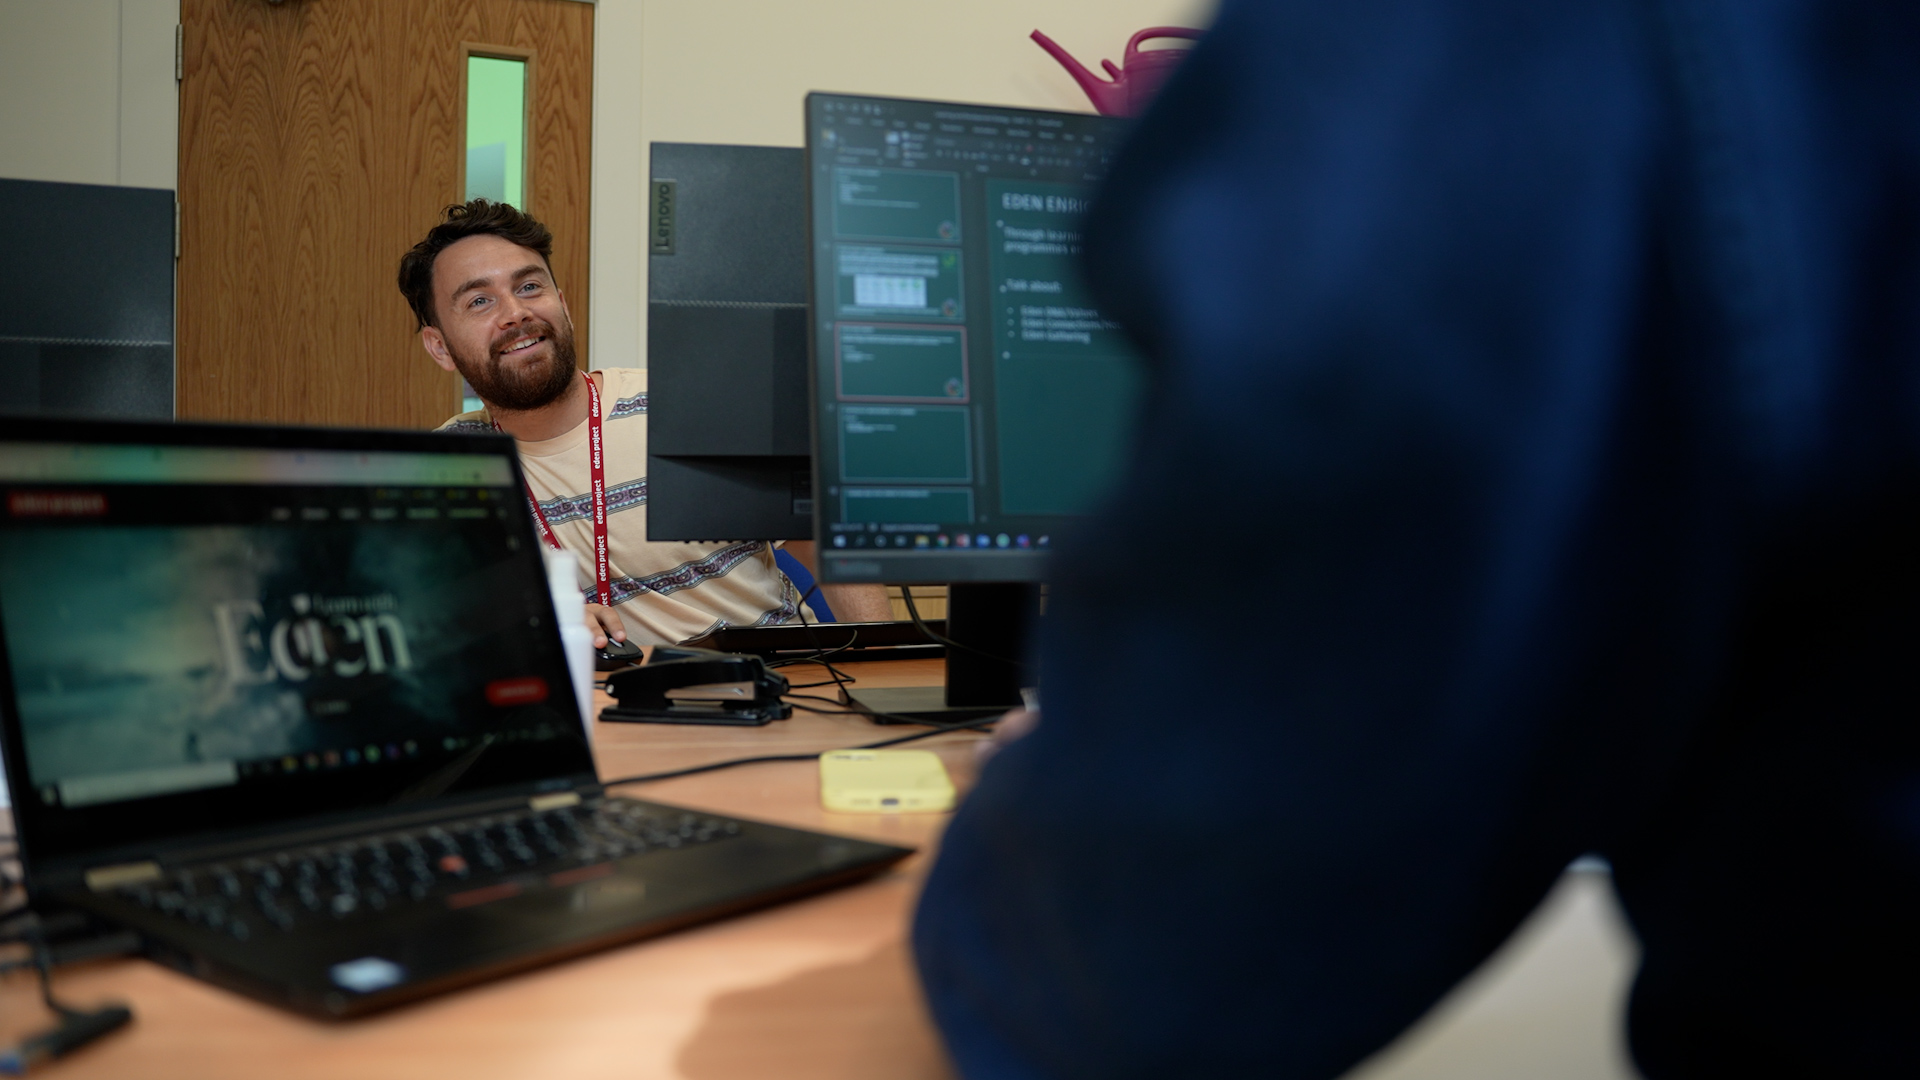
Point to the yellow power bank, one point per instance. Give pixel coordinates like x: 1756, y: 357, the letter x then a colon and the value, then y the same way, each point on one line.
x: 884, y: 781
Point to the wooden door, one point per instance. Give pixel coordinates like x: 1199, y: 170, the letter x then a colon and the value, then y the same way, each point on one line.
x: 319, y: 140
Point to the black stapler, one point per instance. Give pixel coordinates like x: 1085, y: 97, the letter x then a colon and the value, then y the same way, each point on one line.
x: 679, y: 685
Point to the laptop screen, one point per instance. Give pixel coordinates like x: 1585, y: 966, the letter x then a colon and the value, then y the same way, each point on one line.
x: 224, y: 628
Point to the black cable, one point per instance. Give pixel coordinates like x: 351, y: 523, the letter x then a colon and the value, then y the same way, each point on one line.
x: 844, y: 707
x: 817, y: 656
x: 920, y: 624
x: 43, y: 963
x: 820, y: 652
x: 937, y: 729
x: 941, y: 729
x: 646, y: 778
x: 76, y: 1027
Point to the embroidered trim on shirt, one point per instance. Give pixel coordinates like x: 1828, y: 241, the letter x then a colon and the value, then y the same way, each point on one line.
x: 780, y: 614
x: 625, y: 407
x: 469, y: 427
x: 775, y: 617
x: 685, y: 576
x: 580, y: 507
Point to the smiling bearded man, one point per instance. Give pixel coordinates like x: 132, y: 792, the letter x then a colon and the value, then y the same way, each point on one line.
x: 482, y: 287
x: 545, y: 377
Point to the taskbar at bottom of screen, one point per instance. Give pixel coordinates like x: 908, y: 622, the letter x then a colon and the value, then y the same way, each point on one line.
x: 932, y: 567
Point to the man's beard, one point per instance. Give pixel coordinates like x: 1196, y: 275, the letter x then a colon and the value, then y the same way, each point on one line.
x: 529, y: 387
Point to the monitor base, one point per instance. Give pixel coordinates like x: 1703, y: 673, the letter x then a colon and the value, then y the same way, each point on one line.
x: 988, y: 624
x: 926, y: 704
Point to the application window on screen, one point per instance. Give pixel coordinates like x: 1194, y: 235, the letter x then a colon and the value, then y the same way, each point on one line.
x: 972, y: 397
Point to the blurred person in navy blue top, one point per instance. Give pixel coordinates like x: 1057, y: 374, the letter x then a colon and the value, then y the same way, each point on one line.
x: 1531, y: 468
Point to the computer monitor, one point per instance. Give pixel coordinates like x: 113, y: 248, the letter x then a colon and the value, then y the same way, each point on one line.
x: 968, y: 398
x: 727, y: 440
x: 97, y: 340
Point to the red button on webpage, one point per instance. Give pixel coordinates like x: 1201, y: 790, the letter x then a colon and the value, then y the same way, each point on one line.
x: 526, y: 690
x: 56, y: 504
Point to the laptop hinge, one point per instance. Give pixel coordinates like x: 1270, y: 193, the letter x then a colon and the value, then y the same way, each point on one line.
x: 554, y: 801
x: 103, y: 878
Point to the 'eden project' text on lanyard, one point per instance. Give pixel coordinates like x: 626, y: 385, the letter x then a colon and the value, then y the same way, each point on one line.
x: 596, y: 457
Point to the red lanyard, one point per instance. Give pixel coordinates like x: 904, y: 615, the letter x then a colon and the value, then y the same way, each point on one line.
x: 597, y: 462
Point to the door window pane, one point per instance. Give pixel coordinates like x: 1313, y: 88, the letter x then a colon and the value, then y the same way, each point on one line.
x: 496, y: 143
x: 496, y: 129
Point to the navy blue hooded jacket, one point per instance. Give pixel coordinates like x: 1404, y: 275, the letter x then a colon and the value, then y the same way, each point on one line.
x: 1531, y: 467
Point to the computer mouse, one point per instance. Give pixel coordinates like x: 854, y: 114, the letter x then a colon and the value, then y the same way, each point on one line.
x: 616, y: 655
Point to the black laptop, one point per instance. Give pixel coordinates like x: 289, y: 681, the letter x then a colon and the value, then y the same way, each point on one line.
x: 292, y: 704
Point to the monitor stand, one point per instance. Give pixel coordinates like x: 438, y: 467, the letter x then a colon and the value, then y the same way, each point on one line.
x: 992, y: 620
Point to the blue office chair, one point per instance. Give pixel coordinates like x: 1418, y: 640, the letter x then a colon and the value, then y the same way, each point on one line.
x: 803, y: 580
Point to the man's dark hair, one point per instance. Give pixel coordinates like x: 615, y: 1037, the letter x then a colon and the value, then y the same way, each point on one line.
x: 476, y: 217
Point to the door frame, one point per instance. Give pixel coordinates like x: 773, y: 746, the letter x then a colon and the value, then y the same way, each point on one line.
x: 531, y: 57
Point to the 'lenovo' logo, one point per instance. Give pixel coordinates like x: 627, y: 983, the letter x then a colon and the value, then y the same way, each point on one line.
x: 660, y: 235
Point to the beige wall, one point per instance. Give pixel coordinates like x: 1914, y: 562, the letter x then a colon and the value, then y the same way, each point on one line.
x: 89, y: 91
x: 735, y: 71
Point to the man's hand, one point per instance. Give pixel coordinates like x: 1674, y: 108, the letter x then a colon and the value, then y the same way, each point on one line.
x: 605, y: 625
x: 1012, y: 726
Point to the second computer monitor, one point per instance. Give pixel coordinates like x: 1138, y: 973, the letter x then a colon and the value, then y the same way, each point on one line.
x: 727, y: 443
x: 968, y: 398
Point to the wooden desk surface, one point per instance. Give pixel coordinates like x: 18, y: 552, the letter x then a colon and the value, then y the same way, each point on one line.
x: 821, y: 987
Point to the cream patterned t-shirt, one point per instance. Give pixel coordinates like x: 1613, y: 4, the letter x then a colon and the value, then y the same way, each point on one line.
x: 665, y: 592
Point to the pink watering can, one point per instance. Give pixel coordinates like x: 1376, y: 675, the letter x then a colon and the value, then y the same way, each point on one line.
x: 1137, y: 78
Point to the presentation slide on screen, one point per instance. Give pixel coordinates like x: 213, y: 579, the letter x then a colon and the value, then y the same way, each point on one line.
x: 1068, y: 382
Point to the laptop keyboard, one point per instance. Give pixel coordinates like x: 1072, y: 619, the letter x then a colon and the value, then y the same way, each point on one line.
x: 458, y: 864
